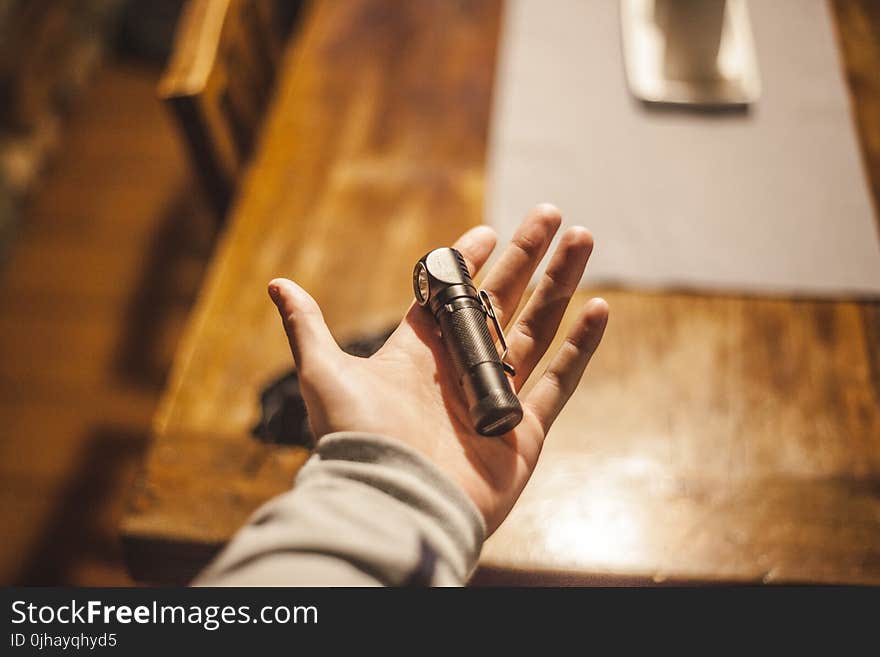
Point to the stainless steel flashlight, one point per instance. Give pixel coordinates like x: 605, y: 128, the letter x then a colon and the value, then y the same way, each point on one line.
x: 441, y: 283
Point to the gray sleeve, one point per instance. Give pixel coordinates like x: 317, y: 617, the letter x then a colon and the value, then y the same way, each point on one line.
x: 365, y: 511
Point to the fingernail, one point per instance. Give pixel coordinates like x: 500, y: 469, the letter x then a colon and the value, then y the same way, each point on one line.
x: 274, y: 293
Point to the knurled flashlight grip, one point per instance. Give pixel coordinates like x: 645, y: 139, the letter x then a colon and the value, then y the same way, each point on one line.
x: 442, y: 284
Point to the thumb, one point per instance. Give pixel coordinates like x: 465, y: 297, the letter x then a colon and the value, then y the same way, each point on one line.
x: 310, y: 339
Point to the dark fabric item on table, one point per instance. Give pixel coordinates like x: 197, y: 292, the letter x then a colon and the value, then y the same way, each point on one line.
x: 283, y: 419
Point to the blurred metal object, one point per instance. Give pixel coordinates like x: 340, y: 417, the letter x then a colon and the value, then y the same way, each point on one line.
x: 690, y: 52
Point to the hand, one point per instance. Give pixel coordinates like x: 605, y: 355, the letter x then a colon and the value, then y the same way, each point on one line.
x: 408, y: 389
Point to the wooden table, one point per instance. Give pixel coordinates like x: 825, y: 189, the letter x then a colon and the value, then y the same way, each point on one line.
x: 714, y: 438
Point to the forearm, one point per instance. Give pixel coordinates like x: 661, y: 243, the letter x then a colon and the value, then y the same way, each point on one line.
x: 365, y: 511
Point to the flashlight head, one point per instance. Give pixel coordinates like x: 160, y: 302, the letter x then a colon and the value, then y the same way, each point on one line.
x: 440, y: 276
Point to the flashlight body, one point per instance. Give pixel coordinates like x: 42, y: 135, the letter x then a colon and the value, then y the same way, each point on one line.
x: 443, y: 284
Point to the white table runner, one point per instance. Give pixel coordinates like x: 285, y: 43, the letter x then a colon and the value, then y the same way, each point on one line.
x: 773, y: 201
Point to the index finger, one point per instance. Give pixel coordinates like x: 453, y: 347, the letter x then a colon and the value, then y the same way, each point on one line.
x: 508, y: 278
x: 476, y: 245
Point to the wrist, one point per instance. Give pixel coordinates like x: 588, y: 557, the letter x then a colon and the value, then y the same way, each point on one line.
x: 437, y: 504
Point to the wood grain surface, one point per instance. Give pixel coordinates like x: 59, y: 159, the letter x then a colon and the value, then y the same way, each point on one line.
x: 713, y: 439
x: 95, y: 291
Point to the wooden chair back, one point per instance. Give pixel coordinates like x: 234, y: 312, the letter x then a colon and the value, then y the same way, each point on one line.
x: 218, y: 82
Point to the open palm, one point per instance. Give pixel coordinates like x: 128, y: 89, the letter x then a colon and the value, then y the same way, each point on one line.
x: 408, y: 390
